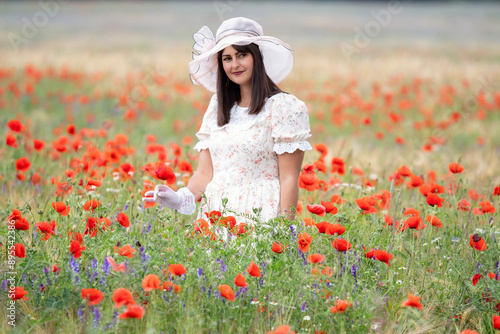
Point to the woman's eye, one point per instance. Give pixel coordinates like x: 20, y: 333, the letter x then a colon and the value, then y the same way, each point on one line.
x: 242, y: 55
x: 226, y: 59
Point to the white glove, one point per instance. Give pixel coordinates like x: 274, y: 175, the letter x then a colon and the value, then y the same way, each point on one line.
x: 182, y: 200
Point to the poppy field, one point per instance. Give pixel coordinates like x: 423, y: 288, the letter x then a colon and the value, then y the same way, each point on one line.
x: 396, y: 231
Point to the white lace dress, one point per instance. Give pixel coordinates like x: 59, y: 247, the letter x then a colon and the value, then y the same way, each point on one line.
x: 245, y: 154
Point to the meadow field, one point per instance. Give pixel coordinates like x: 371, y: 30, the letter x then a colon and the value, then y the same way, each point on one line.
x: 397, y: 230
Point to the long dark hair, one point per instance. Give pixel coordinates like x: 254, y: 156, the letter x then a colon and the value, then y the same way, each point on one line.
x: 228, y: 93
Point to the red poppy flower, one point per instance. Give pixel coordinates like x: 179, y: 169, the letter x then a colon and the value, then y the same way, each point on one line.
x: 416, y: 181
x: 278, y: 248
x: 92, y: 184
x: 475, y: 279
x: 91, y: 205
x: 19, y: 293
x: 496, y: 321
x: 496, y: 191
x: 46, y: 228
x: 23, y: 165
x: 127, y: 251
x: 477, y: 242
x: 122, y: 296
x: 383, y: 256
x: 76, y: 248
x: 340, y: 306
x: 456, y: 168
x: 116, y: 267
x: 319, y: 210
x: 61, y: 208
x: 330, y: 207
x: 309, y: 181
x: 226, y: 292
x: 304, y: 241
x: 93, y: 296
x: 341, y: 245
x: 315, y: 258
x: 484, y: 207
x: 433, y: 200
x: 20, y: 223
x: 463, y: 205
x: 164, y: 173
x: 240, y: 280
x: 213, y: 216
x: 366, y: 205
x: 38, y: 144
x: 414, y: 222
x: 412, y: 301
x: 404, y: 171
x: 177, y: 269
x: 10, y: 140
x: 283, y: 329
x: 133, y: 311
x: 15, y: 125
x: 253, y: 270
x: 338, y: 166
x: 151, y: 282
x: 435, y: 221
x: 185, y: 166
x: 123, y: 220
x: 19, y: 250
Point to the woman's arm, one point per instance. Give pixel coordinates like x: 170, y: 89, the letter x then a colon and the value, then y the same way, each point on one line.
x: 203, y: 175
x: 289, y: 165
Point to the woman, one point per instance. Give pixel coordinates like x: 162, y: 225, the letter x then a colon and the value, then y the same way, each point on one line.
x: 253, y: 135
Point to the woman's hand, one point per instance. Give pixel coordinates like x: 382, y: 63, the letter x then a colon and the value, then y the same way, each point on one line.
x: 182, y: 200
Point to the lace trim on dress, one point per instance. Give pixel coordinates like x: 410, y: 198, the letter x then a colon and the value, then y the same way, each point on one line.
x: 281, y: 148
x: 187, y: 206
x: 201, y: 145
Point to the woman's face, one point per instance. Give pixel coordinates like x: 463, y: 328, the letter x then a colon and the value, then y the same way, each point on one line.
x: 238, y: 66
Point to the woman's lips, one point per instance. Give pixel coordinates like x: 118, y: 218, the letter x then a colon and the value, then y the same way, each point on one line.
x: 237, y: 73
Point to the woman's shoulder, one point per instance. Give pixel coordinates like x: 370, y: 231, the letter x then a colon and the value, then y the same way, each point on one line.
x: 286, y: 100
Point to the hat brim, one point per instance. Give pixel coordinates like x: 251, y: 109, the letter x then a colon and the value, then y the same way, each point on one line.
x: 276, y: 55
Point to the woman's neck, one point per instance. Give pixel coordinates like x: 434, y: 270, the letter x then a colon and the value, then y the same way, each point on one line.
x: 246, y: 96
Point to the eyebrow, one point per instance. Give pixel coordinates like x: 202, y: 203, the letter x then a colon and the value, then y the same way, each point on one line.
x: 226, y: 55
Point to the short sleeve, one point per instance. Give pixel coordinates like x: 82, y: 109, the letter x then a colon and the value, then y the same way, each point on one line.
x: 290, y: 124
x: 203, y: 133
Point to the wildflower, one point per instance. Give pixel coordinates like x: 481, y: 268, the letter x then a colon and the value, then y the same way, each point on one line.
x: 253, y: 270
x: 463, y: 205
x: 341, y: 245
x: 15, y: 125
x: 366, y: 204
x: 475, y: 279
x: 383, y: 256
x: 151, y: 282
x: 123, y: 220
x: 133, y: 311
x: 484, y: 207
x: 496, y: 321
x: 19, y: 250
x: 19, y: 293
x: 435, y: 221
x: 177, y: 269
x: 46, y: 228
x: 456, y: 168
x: 93, y: 296
x: 315, y: 258
x: 278, y: 247
x: 226, y: 292
x: 164, y: 173
x: 304, y: 241
x: 477, y: 242
x: 283, y: 329
x: 240, y: 280
x: 341, y: 306
x: 127, y: 251
x: 20, y: 223
x: 319, y: 210
x: 23, y: 165
x: 412, y: 301
x: 434, y: 200
x: 329, y: 207
x: 122, y: 296
x: 61, y: 208
x: 76, y: 248
x: 91, y: 205
x: 38, y: 144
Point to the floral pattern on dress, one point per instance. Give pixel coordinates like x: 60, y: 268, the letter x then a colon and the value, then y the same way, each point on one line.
x: 245, y: 152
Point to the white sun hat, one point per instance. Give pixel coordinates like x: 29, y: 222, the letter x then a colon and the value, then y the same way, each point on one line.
x: 277, y: 55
